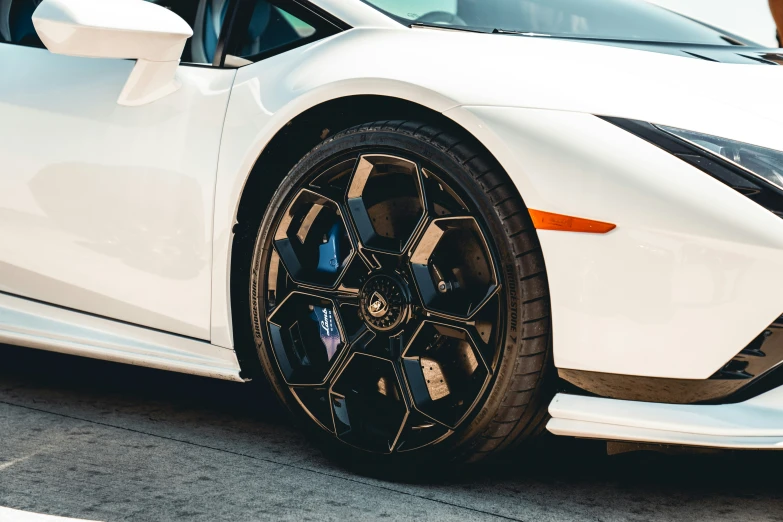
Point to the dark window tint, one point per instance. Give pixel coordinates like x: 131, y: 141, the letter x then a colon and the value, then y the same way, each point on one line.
x: 262, y: 29
x: 270, y: 29
x: 603, y: 19
x: 16, y: 24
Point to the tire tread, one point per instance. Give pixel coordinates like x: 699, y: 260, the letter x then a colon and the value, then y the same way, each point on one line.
x: 519, y: 409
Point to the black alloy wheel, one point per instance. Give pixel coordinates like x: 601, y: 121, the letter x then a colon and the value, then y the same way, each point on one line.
x: 399, y: 297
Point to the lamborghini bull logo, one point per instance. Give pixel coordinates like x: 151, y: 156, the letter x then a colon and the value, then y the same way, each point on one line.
x: 378, y: 305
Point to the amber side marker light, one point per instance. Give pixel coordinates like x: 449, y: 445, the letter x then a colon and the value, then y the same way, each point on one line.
x: 549, y: 221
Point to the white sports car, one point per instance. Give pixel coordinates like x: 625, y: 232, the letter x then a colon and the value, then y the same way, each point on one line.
x: 437, y: 227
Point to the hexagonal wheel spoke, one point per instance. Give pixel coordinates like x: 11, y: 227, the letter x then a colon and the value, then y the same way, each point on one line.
x: 334, y: 180
x: 380, y: 344
x: 351, y: 320
x: 454, y: 270
x: 482, y: 327
x: 313, y: 241
x: 315, y: 401
x: 307, y: 337
x: 355, y: 275
x: 450, y: 318
x: 385, y: 201
x: 367, y: 402
x: 446, y: 372
x: 382, y: 261
x: 440, y: 198
x: 420, y: 431
x: 484, y: 330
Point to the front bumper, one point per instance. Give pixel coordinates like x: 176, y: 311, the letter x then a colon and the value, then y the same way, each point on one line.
x: 754, y: 424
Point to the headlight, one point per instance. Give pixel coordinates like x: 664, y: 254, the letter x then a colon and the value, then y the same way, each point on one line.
x: 764, y: 163
x: 753, y: 171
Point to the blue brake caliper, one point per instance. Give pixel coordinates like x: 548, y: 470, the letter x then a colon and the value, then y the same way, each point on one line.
x: 329, y: 262
x: 329, y: 250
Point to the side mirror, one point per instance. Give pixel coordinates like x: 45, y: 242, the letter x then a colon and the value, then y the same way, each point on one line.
x: 133, y: 29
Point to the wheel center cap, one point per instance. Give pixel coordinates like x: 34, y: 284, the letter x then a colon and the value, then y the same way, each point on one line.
x: 382, y: 302
x: 378, y: 305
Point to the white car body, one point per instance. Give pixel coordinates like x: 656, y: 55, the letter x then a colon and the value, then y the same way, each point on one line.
x: 117, y: 221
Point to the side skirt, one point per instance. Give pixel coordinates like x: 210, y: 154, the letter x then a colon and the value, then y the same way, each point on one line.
x: 37, y: 325
x: 753, y: 424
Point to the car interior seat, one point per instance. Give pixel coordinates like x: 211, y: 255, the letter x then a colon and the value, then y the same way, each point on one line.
x: 16, y: 24
x: 267, y: 29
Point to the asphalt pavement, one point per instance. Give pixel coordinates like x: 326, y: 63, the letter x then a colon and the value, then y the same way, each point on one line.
x: 102, y: 441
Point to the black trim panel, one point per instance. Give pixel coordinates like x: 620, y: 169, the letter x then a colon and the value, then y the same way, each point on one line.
x: 760, y: 364
x: 326, y: 15
x: 743, y: 54
x: 649, y: 389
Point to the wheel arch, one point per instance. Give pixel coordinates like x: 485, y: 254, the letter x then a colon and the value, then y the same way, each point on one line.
x: 288, y: 145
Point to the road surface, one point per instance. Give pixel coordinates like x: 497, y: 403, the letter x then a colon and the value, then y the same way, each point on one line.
x: 101, y: 441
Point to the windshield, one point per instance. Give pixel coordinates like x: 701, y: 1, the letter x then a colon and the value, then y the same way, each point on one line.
x: 602, y: 19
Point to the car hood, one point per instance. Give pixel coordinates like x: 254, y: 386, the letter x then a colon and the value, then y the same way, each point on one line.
x: 689, y: 88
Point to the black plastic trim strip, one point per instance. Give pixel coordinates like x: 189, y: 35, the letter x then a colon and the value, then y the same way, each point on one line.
x: 237, y: 15
x: 771, y: 380
x: 749, y: 185
x: 648, y: 389
x: 326, y: 15
x: 106, y: 318
x: 731, y: 38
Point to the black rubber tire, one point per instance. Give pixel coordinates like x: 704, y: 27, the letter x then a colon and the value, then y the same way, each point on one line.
x: 515, y: 404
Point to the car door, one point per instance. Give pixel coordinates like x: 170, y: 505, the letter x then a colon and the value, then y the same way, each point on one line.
x: 105, y: 208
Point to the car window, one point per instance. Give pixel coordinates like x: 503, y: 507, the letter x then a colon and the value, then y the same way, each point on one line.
x: 269, y: 29
x: 415, y: 9
x: 635, y: 20
x: 16, y: 24
x: 264, y: 29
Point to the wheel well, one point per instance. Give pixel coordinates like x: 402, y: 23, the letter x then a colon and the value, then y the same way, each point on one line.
x: 288, y: 146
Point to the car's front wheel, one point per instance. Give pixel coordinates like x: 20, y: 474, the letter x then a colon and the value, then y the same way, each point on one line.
x: 399, y: 297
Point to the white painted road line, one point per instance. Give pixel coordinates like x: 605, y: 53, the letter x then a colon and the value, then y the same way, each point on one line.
x: 4, y: 465
x: 15, y: 515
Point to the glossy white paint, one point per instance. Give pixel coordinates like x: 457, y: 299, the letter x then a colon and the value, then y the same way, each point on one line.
x: 259, y: 108
x: 457, y: 67
x: 753, y: 424
x: 682, y: 283
x: 109, y: 209
x: 135, y: 29
x: 103, y: 208
x: 652, y: 289
x: 37, y: 325
x: 119, y: 29
x: 149, y: 81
